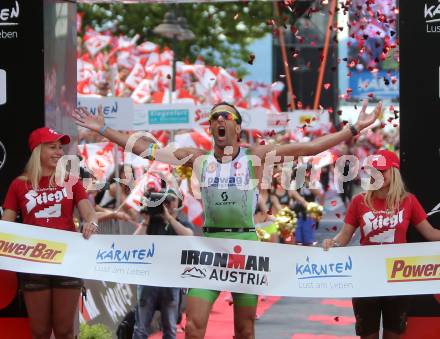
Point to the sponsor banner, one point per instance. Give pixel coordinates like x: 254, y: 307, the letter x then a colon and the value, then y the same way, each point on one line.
x: 432, y: 16
x: 382, y: 84
x: 413, y: 268
x: 118, y: 112
x: 152, y: 117
x: 24, y: 248
x: 224, y: 264
x: 106, y: 303
x: 419, y: 31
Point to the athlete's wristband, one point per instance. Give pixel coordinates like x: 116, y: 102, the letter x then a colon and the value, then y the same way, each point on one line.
x: 102, y: 129
x: 353, y: 129
x: 151, y: 151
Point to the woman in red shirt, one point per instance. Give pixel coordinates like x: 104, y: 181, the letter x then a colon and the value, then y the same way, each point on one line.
x: 51, y: 301
x: 383, y: 217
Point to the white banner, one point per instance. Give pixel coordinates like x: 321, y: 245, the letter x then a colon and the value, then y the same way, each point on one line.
x: 118, y: 112
x: 224, y: 264
x: 152, y: 117
x: 123, y: 114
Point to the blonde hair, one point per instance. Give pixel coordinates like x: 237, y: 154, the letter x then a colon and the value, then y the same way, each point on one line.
x: 396, y: 192
x: 33, y: 170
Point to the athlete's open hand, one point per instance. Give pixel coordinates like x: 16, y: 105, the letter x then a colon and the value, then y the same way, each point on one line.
x: 366, y: 119
x: 86, y: 119
x: 89, y: 228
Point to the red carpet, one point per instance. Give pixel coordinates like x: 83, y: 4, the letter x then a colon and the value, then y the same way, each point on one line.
x: 320, y: 336
x: 345, y: 303
x: 221, y: 324
x: 332, y: 320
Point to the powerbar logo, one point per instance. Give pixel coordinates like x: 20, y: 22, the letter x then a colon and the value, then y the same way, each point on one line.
x: 413, y: 268
x: 229, y: 267
x: 45, y: 251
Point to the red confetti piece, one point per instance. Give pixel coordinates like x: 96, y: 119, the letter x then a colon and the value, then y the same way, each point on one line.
x: 262, y: 142
x: 327, y: 86
x: 338, y: 215
x: 336, y: 318
x: 333, y: 202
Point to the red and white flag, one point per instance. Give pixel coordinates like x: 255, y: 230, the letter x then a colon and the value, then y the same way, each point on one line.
x: 142, y: 93
x: 191, y: 206
x: 98, y: 158
x: 96, y: 42
x: 136, y: 76
x: 197, y: 139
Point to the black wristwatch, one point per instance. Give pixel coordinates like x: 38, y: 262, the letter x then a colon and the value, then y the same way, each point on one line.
x: 353, y: 129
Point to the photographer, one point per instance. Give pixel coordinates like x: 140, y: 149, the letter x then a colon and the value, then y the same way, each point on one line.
x: 159, y: 220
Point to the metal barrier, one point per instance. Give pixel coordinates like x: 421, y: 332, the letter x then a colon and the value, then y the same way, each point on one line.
x: 116, y: 227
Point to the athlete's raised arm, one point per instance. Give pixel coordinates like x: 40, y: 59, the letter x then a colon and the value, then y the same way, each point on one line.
x: 325, y: 142
x: 141, y: 144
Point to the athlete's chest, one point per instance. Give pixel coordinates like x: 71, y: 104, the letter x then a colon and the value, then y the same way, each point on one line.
x: 236, y: 173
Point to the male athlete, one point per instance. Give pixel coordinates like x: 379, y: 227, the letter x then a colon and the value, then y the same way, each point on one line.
x: 228, y: 200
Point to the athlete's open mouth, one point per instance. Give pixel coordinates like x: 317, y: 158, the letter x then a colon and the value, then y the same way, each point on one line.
x: 221, y: 131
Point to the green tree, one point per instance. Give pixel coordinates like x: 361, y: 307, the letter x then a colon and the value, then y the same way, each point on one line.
x: 223, y: 30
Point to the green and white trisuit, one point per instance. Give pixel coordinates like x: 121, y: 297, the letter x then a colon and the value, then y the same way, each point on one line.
x: 229, y: 196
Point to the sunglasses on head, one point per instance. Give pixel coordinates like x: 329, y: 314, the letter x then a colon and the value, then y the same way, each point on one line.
x: 225, y: 115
